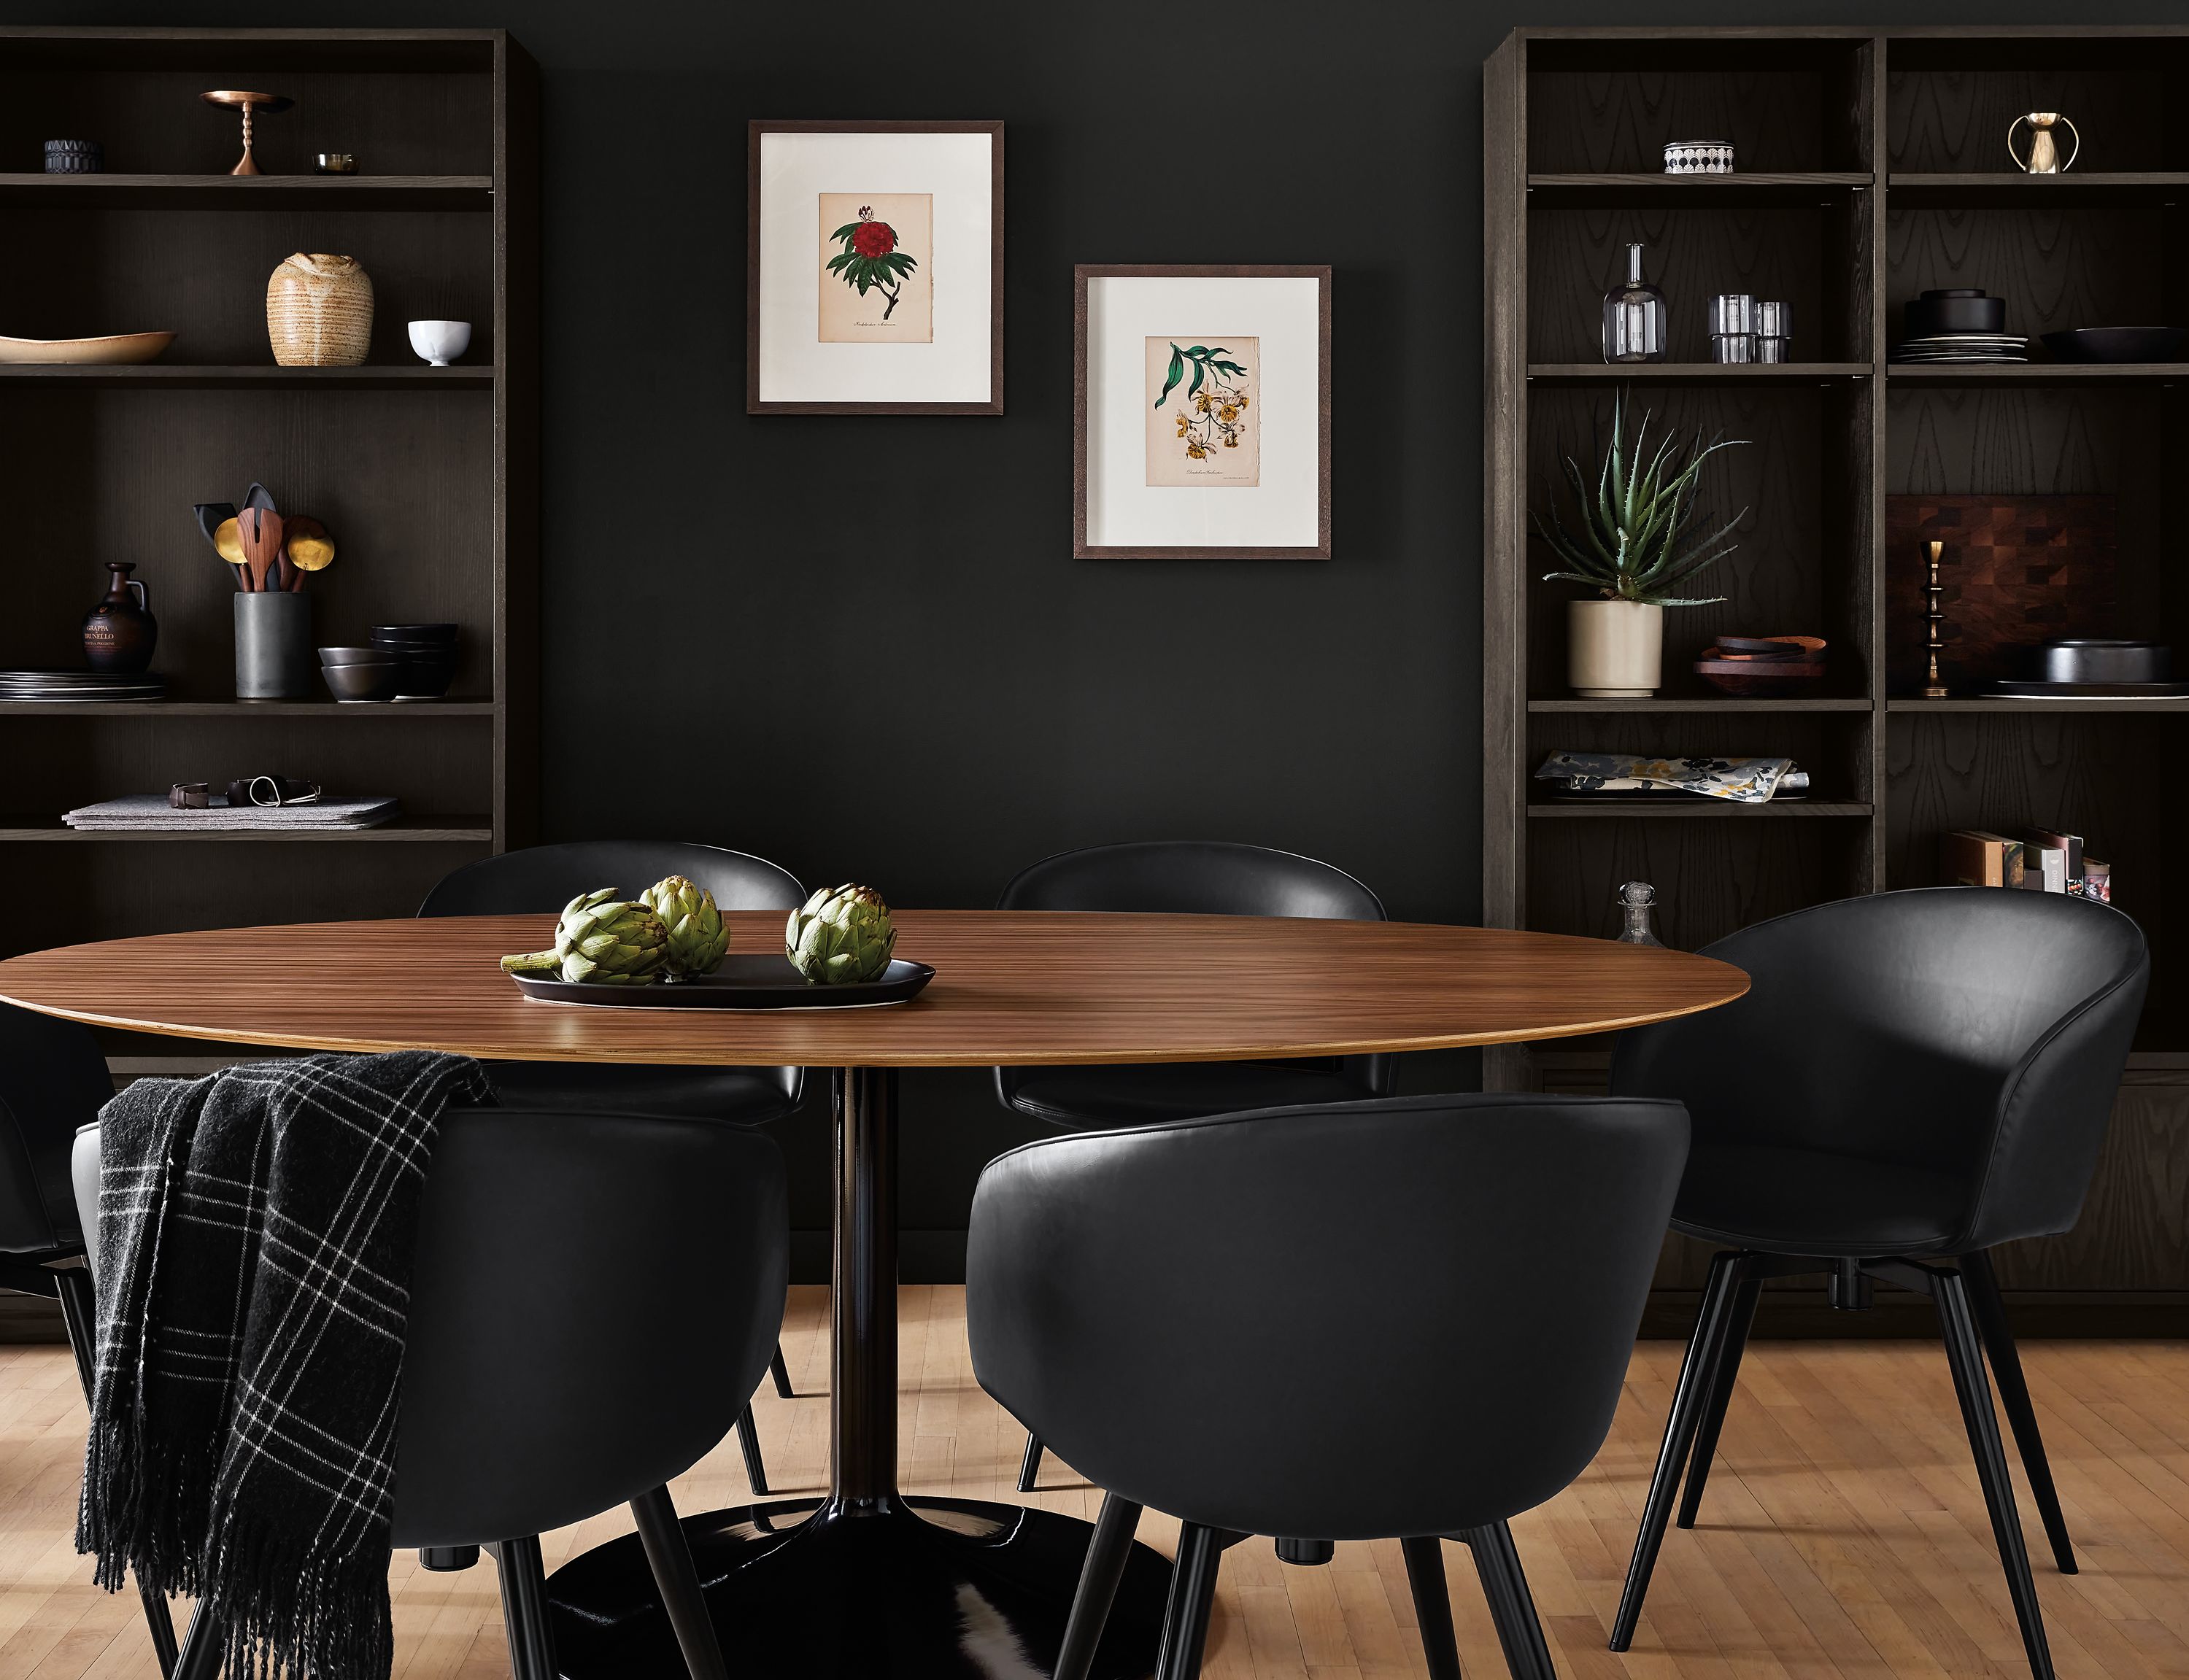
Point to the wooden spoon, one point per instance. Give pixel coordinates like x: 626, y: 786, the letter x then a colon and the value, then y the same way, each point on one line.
x: 260, y: 531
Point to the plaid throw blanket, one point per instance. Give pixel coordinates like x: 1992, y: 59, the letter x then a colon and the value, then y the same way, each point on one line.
x: 255, y: 1237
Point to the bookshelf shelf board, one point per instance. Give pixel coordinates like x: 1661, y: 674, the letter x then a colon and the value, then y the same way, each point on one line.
x: 2076, y: 189
x: 429, y: 831
x: 180, y: 376
x: 1817, y: 187
x: 1701, y: 807
x: 1696, y: 373
x: 1913, y: 707
x: 242, y: 708
x: 2037, y: 373
x: 1711, y: 707
x: 246, y: 192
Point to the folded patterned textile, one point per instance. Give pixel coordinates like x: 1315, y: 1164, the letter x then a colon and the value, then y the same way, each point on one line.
x: 1749, y: 781
x: 255, y: 1237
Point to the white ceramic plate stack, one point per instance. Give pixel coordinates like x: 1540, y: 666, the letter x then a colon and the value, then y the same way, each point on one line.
x: 81, y: 686
x: 1964, y: 347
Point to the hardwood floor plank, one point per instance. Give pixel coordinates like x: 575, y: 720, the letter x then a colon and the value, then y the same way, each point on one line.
x: 1843, y: 1536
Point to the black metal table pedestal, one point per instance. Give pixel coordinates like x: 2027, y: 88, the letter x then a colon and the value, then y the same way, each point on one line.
x: 866, y: 1583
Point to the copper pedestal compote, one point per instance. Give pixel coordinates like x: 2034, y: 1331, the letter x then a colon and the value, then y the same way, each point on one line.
x: 248, y: 103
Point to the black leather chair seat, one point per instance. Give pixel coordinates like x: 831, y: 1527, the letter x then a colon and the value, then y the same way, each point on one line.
x: 1786, y: 1201
x: 741, y: 1095
x: 1078, y: 1098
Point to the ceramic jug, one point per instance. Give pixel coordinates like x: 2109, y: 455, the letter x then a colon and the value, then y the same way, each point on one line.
x: 2043, y: 150
x: 120, y: 632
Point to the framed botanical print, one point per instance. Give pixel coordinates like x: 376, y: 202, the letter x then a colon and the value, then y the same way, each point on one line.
x: 1200, y: 400
x: 874, y: 268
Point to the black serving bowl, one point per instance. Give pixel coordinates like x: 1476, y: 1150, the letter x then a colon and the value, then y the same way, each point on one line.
x: 356, y: 683
x: 2118, y: 344
x: 355, y: 656
x: 442, y: 635
x: 424, y: 682
x: 1957, y: 309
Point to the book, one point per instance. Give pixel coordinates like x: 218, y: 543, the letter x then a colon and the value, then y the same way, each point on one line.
x: 1972, y: 857
x: 2070, y: 846
x: 2095, y: 882
x: 2044, y: 868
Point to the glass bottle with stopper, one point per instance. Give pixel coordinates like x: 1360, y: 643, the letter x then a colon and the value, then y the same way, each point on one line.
x: 1634, y: 317
x: 1637, y: 900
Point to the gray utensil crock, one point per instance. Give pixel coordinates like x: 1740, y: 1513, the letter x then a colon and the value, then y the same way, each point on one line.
x: 274, y: 646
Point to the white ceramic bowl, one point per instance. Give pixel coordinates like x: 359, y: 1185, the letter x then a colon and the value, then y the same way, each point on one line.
x: 440, y: 342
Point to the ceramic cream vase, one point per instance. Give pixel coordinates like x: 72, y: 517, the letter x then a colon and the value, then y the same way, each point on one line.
x: 1614, y: 649
x: 318, y: 311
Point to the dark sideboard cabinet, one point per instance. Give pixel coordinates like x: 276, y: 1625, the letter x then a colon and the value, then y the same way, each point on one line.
x: 1870, y: 167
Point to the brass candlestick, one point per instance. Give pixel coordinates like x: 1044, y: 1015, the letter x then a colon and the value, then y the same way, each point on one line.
x: 248, y: 103
x: 1934, y: 685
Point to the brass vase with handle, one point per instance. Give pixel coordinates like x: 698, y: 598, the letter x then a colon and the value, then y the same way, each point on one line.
x: 2043, y: 150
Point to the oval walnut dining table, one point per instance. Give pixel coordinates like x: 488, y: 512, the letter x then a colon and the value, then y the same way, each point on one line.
x: 867, y: 1582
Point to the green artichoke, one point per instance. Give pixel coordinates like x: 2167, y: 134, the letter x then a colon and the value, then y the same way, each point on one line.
x: 840, y: 933
x: 697, y: 937
x: 601, y: 940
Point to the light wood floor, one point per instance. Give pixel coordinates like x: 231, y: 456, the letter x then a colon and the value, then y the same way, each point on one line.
x: 1843, y: 1533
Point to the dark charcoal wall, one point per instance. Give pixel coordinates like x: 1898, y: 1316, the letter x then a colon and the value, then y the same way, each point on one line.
x: 861, y: 646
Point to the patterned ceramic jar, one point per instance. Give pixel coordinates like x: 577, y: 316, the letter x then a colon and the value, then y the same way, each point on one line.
x: 1699, y: 157
x: 318, y: 311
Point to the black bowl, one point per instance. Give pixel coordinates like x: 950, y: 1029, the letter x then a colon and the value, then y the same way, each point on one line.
x: 2118, y: 344
x: 364, y: 682
x: 424, y: 682
x: 1955, y: 309
x: 355, y: 656
x: 425, y: 633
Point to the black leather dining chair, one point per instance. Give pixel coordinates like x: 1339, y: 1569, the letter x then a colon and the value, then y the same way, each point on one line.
x: 1912, y: 1080
x: 1196, y: 877
x: 1408, y: 1318
x: 52, y: 1079
x: 540, y: 880
x: 539, y: 1388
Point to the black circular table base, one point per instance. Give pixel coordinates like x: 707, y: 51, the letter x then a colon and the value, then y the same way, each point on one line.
x: 889, y: 1590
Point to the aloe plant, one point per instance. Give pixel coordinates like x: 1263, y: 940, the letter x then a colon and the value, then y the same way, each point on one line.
x: 1636, y: 538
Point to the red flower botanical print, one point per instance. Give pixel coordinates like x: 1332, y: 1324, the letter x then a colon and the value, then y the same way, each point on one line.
x: 870, y: 259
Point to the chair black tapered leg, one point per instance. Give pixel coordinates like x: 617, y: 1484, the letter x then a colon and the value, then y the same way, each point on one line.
x: 748, y: 1444
x: 1990, y: 1314
x: 1512, y: 1606
x: 1728, y: 1271
x: 200, y: 1654
x: 1107, y: 1554
x: 781, y: 1372
x: 1741, y: 1318
x: 676, y: 1578
x: 1192, y: 1596
x: 524, y: 1608
x: 80, y: 1316
x: 1030, y: 1465
x: 1424, y: 1555
x: 1964, y: 1353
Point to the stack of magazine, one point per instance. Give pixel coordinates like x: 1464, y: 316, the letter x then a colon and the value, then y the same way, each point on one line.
x: 2043, y: 861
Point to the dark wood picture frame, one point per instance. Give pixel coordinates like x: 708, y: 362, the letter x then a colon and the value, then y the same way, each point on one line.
x: 994, y: 130
x: 1084, y: 272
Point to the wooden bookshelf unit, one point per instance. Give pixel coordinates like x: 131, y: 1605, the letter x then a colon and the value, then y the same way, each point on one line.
x: 428, y: 478
x: 1872, y: 166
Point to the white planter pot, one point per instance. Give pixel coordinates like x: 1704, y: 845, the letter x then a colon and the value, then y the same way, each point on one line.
x: 1614, y: 649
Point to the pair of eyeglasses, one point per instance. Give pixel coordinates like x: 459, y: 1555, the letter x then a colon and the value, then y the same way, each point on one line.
x: 264, y: 791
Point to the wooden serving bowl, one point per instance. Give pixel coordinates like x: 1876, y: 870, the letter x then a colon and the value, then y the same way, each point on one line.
x: 1758, y: 678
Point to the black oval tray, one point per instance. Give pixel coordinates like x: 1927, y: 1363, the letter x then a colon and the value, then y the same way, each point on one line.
x: 741, y: 983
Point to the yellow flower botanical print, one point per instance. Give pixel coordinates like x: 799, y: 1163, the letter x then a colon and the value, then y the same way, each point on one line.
x: 1218, y: 393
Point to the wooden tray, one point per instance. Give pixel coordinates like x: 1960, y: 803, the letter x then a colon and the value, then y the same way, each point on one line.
x: 758, y: 982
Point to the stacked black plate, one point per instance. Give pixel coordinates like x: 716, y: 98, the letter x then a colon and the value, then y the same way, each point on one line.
x: 47, y: 685
x: 1962, y: 348
x: 428, y: 652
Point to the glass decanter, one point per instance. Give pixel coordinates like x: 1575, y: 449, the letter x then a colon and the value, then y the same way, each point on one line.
x: 1636, y: 898
x: 1634, y: 317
